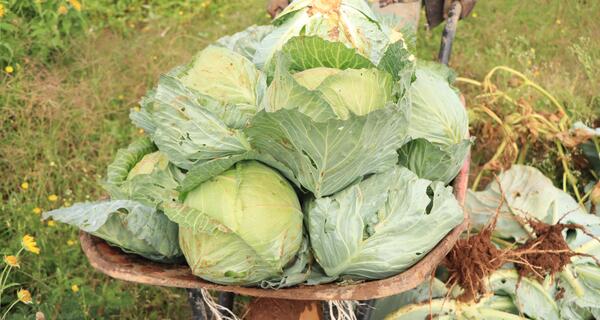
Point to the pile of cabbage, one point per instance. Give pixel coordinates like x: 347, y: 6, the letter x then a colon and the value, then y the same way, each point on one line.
x: 573, y: 293
x: 312, y: 150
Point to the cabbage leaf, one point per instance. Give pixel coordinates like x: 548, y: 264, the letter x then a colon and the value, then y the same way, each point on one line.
x: 130, y: 225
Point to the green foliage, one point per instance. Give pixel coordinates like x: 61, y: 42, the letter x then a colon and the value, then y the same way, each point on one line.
x: 36, y: 29
x: 41, y: 28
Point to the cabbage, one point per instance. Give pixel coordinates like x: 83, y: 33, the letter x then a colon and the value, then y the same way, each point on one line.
x: 349, y: 22
x: 141, y: 173
x: 242, y: 227
x: 332, y: 121
x: 382, y: 225
x: 197, y: 111
x: 438, y: 126
x: 139, y: 180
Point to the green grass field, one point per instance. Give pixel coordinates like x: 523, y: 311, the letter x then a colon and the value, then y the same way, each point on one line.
x: 62, y: 120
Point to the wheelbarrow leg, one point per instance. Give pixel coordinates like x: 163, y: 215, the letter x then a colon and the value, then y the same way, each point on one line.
x: 199, y: 309
x: 226, y: 299
x: 365, y: 309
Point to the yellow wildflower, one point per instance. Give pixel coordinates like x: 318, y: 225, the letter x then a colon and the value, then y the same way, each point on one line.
x: 180, y: 12
x: 75, y: 288
x: 12, y: 261
x: 37, y: 210
x: 24, y: 296
x: 474, y: 14
x: 24, y: 185
x: 121, y: 97
x: 141, y: 131
x: 51, y: 223
x: 558, y: 21
x: 52, y: 198
x: 30, y: 245
x: 76, y: 4
x: 63, y: 9
x: 2, y: 10
x: 9, y: 69
x: 71, y: 242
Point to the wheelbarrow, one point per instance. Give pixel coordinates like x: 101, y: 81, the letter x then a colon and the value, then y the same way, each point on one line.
x: 303, y: 301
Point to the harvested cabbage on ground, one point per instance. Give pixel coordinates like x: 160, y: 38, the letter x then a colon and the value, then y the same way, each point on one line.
x: 559, y: 281
x: 282, y: 154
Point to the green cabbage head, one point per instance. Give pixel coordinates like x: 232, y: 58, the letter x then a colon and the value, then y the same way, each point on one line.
x: 241, y: 227
x: 141, y: 173
x: 438, y: 126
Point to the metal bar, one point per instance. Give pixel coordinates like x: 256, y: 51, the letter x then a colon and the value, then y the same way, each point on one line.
x: 199, y: 310
x: 365, y: 309
x: 226, y: 299
x: 449, y: 32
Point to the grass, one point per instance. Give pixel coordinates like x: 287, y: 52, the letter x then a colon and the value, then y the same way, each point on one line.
x: 62, y: 122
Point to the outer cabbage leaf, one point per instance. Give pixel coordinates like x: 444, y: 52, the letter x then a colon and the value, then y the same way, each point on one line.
x: 527, y: 300
x: 581, y: 284
x: 433, y: 162
x: 246, y: 41
x: 438, y: 124
x: 581, y: 279
x: 350, y: 22
x: 325, y: 157
x: 437, y: 113
x: 428, y: 289
x: 529, y: 194
x: 130, y: 225
x: 382, y: 225
x: 150, y: 188
x: 530, y: 297
x: 490, y: 307
x: 308, y: 52
x: 398, y: 61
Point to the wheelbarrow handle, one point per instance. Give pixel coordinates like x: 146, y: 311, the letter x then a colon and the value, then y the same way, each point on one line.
x: 449, y: 32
